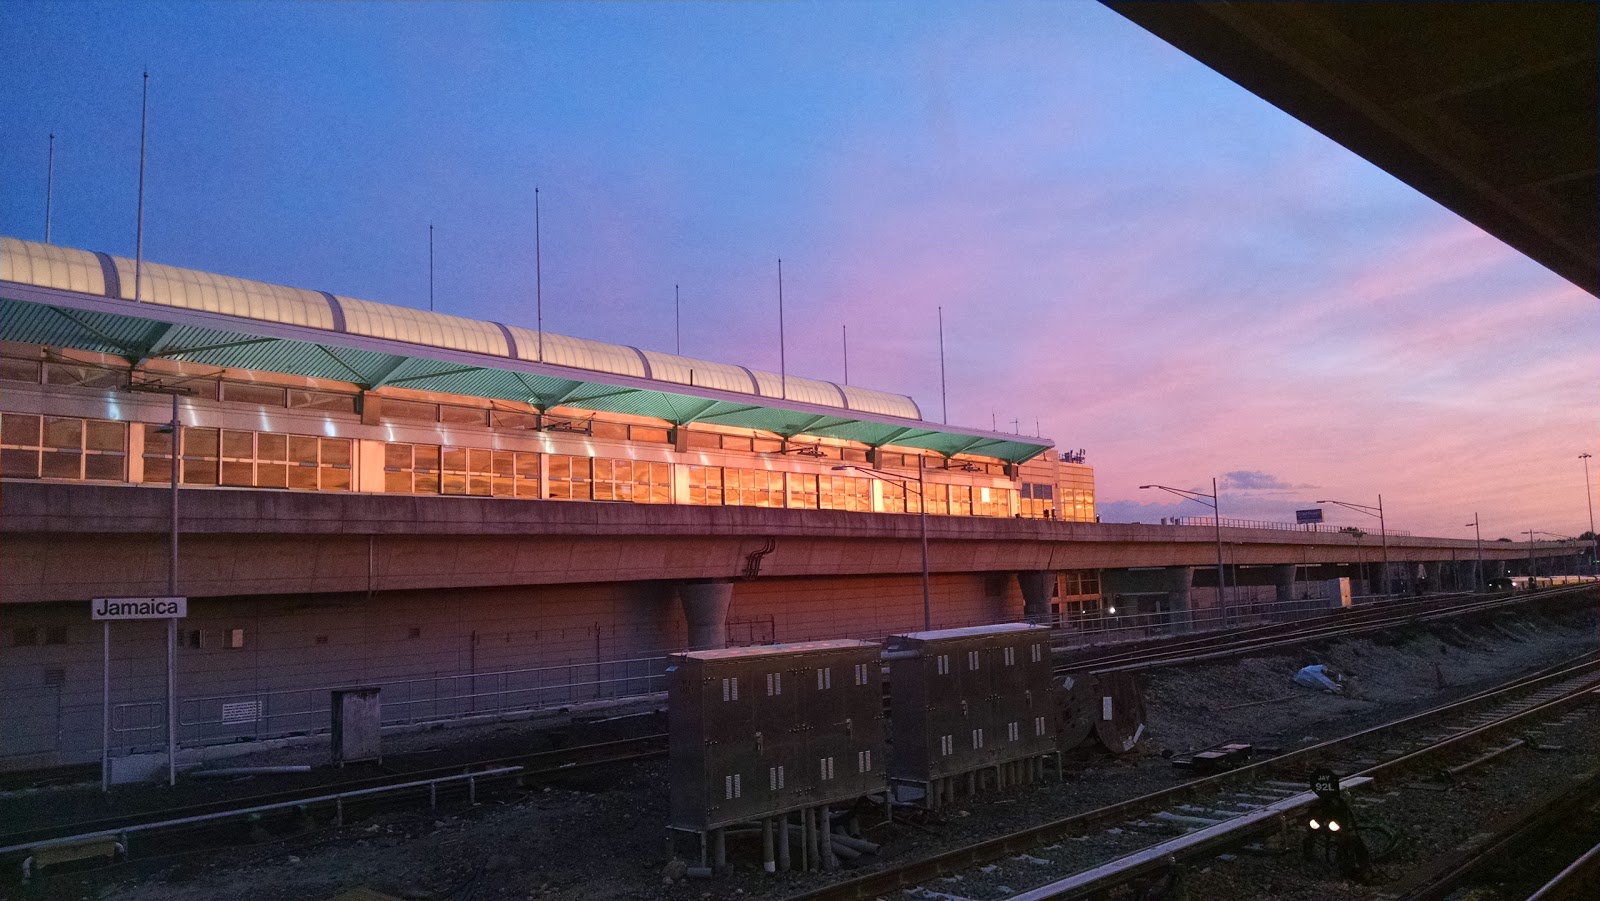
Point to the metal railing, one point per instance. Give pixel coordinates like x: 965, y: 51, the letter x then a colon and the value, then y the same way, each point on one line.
x: 439, y: 697
x: 1230, y: 523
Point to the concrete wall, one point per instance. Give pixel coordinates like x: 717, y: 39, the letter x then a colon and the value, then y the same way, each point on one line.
x: 436, y: 654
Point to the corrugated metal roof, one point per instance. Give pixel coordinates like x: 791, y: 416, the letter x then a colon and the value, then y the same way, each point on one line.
x: 57, y: 296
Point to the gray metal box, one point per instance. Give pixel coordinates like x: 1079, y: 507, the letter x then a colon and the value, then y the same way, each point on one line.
x: 963, y: 699
x: 754, y: 732
x: 357, y: 725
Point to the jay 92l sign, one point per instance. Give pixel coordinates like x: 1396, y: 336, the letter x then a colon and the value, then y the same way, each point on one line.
x: 139, y: 608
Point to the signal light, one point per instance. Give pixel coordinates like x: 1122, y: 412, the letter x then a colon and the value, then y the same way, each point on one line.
x: 1326, y: 822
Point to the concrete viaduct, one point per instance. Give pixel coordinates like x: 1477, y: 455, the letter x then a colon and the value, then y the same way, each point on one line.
x: 74, y: 542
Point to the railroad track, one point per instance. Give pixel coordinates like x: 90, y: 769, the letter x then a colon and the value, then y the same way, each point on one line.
x: 344, y: 797
x: 1338, y: 625
x: 1218, y: 810
x: 332, y: 801
x: 1556, y: 810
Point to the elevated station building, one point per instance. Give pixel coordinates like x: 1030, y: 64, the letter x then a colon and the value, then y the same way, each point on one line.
x: 372, y: 432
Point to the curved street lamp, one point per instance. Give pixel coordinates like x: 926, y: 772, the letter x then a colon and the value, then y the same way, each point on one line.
x: 922, y: 516
x: 1559, y: 537
x: 1383, y: 533
x: 1476, y: 530
x: 1588, y: 497
x: 1211, y: 500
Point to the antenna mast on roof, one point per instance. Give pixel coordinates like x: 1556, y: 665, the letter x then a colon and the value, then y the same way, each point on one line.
x: 538, y: 274
x: 49, y: 182
x: 677, y: 323
x: 138, y: 243
x: 430, y: 267
x: 783, y: 372
x: 844, y: 336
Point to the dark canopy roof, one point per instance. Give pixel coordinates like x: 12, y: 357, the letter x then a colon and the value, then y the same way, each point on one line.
x: 1490, y: 108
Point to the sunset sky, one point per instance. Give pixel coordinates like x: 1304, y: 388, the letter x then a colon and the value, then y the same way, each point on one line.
x: 1134, y: 256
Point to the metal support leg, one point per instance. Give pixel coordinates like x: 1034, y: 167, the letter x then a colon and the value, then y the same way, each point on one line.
x: 830, y: 861
x: 783, y: 843
x: 768, y: 862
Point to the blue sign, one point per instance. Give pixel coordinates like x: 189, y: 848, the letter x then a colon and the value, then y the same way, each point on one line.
x: 1306, y: 516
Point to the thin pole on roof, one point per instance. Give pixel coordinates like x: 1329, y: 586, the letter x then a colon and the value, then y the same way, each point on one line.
x: 783, y: 371
x: 844, y: 336
x: 49, y: 183
x: 430, y: 267
x: 138, y: 244
x: 538, y: 274
x: 677, y: 323
x: 944, y: 404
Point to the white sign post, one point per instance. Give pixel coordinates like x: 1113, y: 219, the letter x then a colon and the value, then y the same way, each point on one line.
x: 108, y: 609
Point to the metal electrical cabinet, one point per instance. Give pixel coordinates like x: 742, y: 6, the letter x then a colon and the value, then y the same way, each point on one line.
x: 964, y: 699
x: 754, y: 732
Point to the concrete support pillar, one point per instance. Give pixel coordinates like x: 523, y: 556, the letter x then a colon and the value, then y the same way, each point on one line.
x: 1283, y: 579
x: 1036, y: 590
x: 1434, y: 574
x: 705, y: 608
x: 1159, y: 594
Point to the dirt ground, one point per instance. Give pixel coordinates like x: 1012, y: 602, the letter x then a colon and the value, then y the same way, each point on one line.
x: 603, y: 837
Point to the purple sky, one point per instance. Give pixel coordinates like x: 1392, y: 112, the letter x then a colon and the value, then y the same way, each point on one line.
x: 1134, y: 255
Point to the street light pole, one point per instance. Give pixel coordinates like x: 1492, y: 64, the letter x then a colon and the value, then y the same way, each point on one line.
x: 172, y: 591
x: 176, y: 427
x: 922, y: 520
x: 1588, y: 497
x: 1533, y: 571
x: 1383, y: 531
x: 1479, y: 533
x: 1216, y: 520
x: 1383, y: 534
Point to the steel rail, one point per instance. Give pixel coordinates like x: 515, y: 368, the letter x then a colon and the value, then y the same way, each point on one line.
x: 885, y: 882
x: 1581, y: 875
